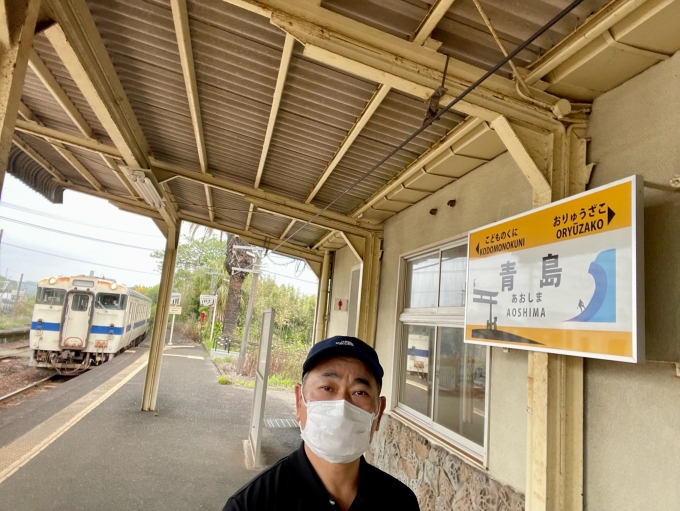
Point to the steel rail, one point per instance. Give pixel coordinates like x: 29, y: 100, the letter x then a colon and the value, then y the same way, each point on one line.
x: 27, y: 387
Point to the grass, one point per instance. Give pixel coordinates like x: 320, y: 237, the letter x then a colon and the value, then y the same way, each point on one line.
x: 223, y: 380
x: 284, y: 369
x: 12, y: 321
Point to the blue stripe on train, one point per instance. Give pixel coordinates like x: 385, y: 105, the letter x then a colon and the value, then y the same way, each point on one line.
x: 101, y: 329
x: 95, y: 329
x: 46, y: 327
x: 418, y: 353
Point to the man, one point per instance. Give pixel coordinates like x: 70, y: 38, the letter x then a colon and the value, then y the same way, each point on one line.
x: 339, y: 408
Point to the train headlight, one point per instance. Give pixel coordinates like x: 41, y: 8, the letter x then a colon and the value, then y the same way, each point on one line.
x: 114, y: 285
x: 52, y: 280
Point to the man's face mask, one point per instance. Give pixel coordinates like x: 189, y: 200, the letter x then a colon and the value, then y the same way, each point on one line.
x: 336, y: 431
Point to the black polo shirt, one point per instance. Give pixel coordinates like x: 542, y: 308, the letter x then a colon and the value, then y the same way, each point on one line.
x: 293, y: 485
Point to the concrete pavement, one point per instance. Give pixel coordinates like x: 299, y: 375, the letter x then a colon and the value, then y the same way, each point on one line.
x: 188, y: 455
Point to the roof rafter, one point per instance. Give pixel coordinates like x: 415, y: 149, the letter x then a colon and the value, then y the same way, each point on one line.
x: 353, y: 47
x: 274, y: 203
x: 26, y: 113
x: 437, y: 11
x: 79, y: 45
x: 259, y: 239
x: 286, y: 55
x: 51, y: 84
x: 186, y: 57
x: 373, y: 104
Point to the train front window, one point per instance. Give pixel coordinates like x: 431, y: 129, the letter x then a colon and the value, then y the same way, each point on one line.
x: 50, y: 296
x: 80, y: 302
x: 110, y: 301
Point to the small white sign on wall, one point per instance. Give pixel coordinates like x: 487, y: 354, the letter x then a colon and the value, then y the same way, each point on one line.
x: 340, y: 304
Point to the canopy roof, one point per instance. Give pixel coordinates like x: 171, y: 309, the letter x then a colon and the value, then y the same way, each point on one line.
x: 253, y: 117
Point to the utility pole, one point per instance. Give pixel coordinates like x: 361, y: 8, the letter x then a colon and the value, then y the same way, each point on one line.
x: 257, y: 253
x: 21, y: 279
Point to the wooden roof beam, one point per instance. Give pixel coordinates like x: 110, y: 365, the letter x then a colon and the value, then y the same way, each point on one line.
x: 186, y: 57
x: 51, y: 84
x: 26, y: 113
x: 351, y: 46
x: 259, y: 240
x: 437, y: 11
x: 260, y: 198
x: 79, y: 45
x: 375, y: 101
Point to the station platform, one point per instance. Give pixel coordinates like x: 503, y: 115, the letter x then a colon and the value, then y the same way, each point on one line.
x: 86, y: 445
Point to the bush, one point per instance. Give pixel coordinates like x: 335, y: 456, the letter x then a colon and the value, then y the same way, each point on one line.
x: 223, y: 380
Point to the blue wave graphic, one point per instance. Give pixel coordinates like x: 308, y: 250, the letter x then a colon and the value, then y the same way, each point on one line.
x: 602, y: 305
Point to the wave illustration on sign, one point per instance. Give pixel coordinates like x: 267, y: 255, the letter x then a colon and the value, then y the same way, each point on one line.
x: 602, y: 305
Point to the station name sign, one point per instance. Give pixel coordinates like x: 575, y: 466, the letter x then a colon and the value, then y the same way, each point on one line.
x: 566, y: 278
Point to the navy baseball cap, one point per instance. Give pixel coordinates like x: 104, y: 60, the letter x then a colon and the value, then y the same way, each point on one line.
x: 344, y: 346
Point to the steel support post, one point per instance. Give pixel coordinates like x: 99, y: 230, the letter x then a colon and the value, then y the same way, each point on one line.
x: 17, y: 25
x: 322, y: 301
x: 370, y: 282
x: 160, y: 324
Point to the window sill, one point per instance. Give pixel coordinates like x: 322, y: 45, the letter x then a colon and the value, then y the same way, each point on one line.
x: 436, y: 438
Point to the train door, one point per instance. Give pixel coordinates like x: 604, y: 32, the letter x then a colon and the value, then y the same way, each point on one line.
x: 77, y: 316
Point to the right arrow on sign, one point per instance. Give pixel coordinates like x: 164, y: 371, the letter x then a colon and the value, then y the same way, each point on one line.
x: 477, y: 248
x: 610, y: 215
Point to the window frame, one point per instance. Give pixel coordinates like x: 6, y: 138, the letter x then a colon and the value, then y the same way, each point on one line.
x: 437, y: 317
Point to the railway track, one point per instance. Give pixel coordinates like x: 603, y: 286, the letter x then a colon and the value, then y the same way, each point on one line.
x: 29, y: 387
x: 17, y: 351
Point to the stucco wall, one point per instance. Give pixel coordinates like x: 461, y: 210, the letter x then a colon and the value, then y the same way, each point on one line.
x: 632, y: 431
x: 345, y: 260
x: 492, y: 192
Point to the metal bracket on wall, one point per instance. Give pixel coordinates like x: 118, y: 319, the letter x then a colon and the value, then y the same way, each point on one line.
x: 677, y: 369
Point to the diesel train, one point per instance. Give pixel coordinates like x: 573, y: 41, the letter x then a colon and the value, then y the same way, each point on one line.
x: 82, y: 321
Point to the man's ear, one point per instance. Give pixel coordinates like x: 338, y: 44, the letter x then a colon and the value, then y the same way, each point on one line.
x: 383, y: 403
x: 298, y: 400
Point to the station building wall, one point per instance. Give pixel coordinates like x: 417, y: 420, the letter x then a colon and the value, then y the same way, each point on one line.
x: 632, y: 418
x: 343, y: 263
x: 632, y: 412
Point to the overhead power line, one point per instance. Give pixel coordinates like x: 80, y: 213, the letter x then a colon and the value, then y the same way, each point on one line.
x: 78, y: 260
x: 71, y: 220
x: 56, y: 231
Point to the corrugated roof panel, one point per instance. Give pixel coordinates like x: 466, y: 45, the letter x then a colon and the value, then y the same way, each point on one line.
x: 54, y: 158
x: 268, y: 224
x: 319, y: 106
x: 142, y: 44
x: 236, y: 54
x: 397, y: 118
x: 463, y: 32
x: 95, y: 164
x: 308, y: 236
x: 47, y: 54
x: 230, y: 208
x: 190, y: 196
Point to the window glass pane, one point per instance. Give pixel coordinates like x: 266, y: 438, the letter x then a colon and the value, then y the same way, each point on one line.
x: 421, y: 282
x: 112, y: 301
x: 80, y: 302
x: 416, y: 389
x: 47, y: 296
x: 452, y: 288
x: 461, y: 385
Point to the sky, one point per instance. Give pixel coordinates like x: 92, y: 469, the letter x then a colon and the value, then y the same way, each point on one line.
x: 36, y: 249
